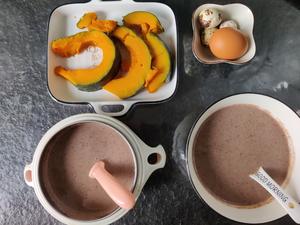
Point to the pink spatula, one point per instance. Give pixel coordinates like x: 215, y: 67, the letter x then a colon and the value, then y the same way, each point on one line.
x: 117, y: 192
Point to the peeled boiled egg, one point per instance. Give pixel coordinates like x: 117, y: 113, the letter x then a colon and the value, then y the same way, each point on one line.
x: 228, y: 43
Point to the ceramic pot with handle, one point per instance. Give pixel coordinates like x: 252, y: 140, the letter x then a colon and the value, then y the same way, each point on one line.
x: 141, y: 153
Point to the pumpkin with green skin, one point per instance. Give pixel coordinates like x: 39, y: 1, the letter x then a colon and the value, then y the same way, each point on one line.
x: 140, y: 65
x: 146, y: 21
x: 87, y: 79
x: 112, y: 73
x: 161, y: 62
x: 148, y: 25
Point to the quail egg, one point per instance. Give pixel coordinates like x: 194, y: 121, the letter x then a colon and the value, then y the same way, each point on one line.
x: 209, y: 18
x: 229, y: 23
x: 206, y: 35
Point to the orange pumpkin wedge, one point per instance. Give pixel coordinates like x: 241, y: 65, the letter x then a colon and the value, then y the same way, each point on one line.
x: 140, y: 65
x: 146, y: 21
x: 86, y: 79
x: 86, y: 20
x: 161, y: 62
x: 106, y: 26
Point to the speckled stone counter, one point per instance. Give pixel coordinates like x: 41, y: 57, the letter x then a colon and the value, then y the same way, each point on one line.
x: 27, y: 111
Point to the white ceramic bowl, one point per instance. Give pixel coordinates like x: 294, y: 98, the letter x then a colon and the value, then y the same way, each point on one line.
x: 63, y: 23
x: 141, y: 153
x: 272, y: 210
x: 237, y: 12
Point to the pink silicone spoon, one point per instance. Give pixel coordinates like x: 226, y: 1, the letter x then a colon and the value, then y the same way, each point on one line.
x: 118, y: 193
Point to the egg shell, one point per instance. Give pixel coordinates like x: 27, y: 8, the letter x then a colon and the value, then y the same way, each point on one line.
x: 229, y: 23
x: 210, y: 18
x: 228, y: 43
x: 207, y: 34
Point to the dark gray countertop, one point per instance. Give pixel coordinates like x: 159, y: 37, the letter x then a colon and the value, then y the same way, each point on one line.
x: 27, y: 111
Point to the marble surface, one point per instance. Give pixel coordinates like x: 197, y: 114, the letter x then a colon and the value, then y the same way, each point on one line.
x: 27, y: 111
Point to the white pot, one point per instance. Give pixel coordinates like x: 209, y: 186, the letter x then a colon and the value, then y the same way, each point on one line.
x: 272, y: 210
x: 141, y: 154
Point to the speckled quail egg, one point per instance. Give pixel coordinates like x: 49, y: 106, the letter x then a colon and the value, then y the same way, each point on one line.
x: 206, y: 35
x: 209, y: 18
x: 229, y: 23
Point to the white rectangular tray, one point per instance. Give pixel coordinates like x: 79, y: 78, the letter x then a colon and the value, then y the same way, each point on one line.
x: 63, y: 23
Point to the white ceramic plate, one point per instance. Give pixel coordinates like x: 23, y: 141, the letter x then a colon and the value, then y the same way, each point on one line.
x: 63, y: 23
x: 273, y: 210
x: 237, y: 12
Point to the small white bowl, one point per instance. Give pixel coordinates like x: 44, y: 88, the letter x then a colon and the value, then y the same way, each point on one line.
x: 237, y: 12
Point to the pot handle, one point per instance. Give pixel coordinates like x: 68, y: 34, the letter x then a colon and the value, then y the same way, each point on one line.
x: 118, y: 108
x: 159, y: 161
x: 28, y: 175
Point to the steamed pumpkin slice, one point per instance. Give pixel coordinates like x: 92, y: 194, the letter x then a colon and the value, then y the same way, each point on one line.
x: 124, y: 56
x: 86, y: 20
x: 106, y: 26
x: 145, y: 21
x: 87, y: 79
x: 160, y: 61
x: 150, y: 76
x: 140, y: 65
x: 89, y: 20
